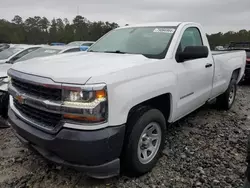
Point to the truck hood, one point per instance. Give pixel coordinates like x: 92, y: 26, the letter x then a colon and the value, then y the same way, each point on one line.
x: 4, y: 68
x: 78, y: 68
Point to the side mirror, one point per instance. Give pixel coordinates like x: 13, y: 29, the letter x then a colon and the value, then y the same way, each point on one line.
x: 192, y: 52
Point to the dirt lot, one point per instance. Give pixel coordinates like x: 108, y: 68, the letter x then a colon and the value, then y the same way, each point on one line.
x: 205, y: 149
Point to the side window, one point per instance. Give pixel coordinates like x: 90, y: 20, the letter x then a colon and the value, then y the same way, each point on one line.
x: 16, y: 57
x: 72, y: 50
x: 190, y: 37
x: 32, y: 49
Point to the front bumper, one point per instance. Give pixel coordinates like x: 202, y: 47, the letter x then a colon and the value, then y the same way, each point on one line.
x: 94, y: 152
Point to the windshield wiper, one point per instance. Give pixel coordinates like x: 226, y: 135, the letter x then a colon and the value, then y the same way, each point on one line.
x: 116, y: 52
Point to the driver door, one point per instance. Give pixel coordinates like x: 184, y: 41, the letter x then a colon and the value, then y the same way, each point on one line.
x: 194, y: 76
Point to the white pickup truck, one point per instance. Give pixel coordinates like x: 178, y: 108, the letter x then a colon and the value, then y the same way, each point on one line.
x: 108, y: 108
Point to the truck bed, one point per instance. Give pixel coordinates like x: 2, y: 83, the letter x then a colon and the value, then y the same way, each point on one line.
x: 225, y: 61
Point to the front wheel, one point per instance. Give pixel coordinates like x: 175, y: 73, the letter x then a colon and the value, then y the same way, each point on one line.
x: 144, y: 141
x: 226, y: 100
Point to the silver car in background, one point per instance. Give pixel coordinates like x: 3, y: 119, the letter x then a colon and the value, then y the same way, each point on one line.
x: 15, y: 52
x: 41, y: 52
x: 49, y: 51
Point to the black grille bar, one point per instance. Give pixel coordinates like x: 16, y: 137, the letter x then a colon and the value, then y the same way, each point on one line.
x: 39, y: 91
x: 46, y: 120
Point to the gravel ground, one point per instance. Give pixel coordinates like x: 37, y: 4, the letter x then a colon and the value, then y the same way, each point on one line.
x: 205, y: 149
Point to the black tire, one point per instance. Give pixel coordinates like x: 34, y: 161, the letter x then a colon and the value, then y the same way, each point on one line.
x: 4, y: 104
x: 137, y: 122
x: 223, y: 101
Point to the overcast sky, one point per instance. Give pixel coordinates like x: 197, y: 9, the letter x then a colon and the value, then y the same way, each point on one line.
x: 215, y: 15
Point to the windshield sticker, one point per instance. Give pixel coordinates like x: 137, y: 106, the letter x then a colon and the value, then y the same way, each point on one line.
x: 164, y: 30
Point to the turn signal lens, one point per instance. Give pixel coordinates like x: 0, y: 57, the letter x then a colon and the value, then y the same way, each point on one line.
x: 83, y: 118
x: 100, y: 94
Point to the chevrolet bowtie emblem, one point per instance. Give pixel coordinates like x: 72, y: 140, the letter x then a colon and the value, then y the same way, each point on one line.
x: 20, y: 99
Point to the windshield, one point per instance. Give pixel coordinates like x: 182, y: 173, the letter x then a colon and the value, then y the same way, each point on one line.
x: 41, y: 52
x: 9, y: 52
x: 151, y: 42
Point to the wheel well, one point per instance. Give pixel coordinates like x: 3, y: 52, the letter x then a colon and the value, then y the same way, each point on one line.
x: 236, y: 73
x: 161, y: 102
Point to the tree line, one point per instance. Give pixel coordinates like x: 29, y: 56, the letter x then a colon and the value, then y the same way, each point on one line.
x: 40, y: 30
x: 222, y: 39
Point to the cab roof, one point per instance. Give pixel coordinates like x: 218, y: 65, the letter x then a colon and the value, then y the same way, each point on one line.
x: 158, y: 24
x: 175, y: 24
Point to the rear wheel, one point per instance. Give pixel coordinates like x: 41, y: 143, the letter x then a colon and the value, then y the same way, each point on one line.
x: 144, y: 141
x: 226, y: 100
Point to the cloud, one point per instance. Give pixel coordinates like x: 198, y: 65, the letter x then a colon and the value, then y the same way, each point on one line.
x: 214, y: 15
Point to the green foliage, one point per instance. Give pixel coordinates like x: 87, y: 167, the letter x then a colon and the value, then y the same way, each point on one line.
x: 222, y: 39
x: 39, y: 30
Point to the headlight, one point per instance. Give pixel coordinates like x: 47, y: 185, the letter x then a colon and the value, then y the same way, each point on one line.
x: 91, y: 101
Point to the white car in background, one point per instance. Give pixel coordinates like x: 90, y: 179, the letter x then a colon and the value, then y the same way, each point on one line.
x: 38, y: 52
x: 15, y: 52
x: 81, y: 43
x: 219, y: 48
x: 41, y: 52
x: 49, y: 51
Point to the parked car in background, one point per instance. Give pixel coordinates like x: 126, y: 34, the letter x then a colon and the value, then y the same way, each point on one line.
x: 225, y: 46
x: 219, y: 48
x: 84, y: 45
x: 57, y: 44
x: 41, y: 52
x: 49, y: 51
x: 110, y: 105
x: 81, y: 43
x: 4, y: 46
x: 12, y: 54
x: 84, y: 48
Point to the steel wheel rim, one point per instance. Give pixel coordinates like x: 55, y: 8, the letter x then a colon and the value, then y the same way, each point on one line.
x: 231, y: 96
x: 149, y: 142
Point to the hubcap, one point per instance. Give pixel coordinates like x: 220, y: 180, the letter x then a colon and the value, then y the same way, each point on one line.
x: 231, y: 96
x: 149, y: 143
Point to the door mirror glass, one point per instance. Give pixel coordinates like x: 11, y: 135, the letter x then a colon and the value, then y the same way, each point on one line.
x: 192, y: 52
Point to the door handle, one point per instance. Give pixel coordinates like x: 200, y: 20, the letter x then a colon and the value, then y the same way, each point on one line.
x: 208, y: 65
